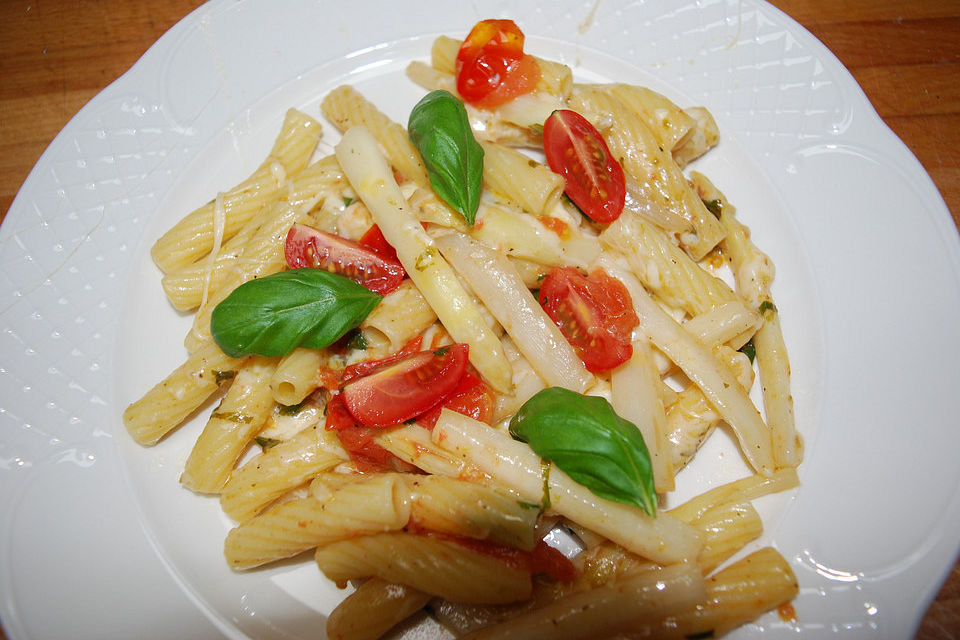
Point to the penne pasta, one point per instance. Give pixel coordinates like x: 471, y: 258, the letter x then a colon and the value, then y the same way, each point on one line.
x: 296, y: 376
x: 520, y: 179
x: 600, y: 613
x: 503, y: 292
x: 370, y: 176
x: 167, y: 404
x: 514, y: 465
x: 193, y: 236
x: 231, y: 427
x: 373, y: 609
x: 371, y: 505
x: 279, y: 469
x: 428, y: 564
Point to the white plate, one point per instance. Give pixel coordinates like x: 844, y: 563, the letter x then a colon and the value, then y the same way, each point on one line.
x: 98, y: 540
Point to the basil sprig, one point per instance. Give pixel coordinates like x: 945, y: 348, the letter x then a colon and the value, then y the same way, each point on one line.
x: 589, y: 442
x: 440, y: 130
x: 273, y: 315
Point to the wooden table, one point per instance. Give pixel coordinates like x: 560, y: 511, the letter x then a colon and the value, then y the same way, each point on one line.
x: 56, y: 55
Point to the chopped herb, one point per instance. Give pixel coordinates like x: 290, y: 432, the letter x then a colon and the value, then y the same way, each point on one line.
x: 442, y: 351
x: 290, y: 409
x: 357, y: 341
x: 223, y: 376
x: 545, y: 470
x: 714, y: 206
x: 537, y: 128
x: 567, y: 201
x: 749, y: 350
x: 765, y: 306
x: 347, y: 201
x: 232, y: 416
x: 266, y: 443
x: 532, y: 163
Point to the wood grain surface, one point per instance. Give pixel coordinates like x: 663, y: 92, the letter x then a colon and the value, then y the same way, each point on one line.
x: 56, y: 55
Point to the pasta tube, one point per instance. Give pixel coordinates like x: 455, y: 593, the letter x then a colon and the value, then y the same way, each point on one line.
x: 435, y: 566
x: 371, y: 177
x: 503, y: 292
x: 513, y: 464
x: 193, y: 236
x: 169, y: 402
x: 231, y: 427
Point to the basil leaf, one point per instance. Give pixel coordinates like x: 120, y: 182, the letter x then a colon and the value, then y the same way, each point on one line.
x: 266, y: 443
x: 589, y: 442
x: 273, y: 315
x: 440, y: 130
x: 714, y: 206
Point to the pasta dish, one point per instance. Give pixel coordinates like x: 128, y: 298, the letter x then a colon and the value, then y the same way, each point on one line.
x: 461, y: 359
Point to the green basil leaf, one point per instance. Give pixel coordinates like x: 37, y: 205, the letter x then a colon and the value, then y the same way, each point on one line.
x: 714, y: 206
x: 273, y: 315
x: 266, y: 443
x: 440, y: 130
x: 589, y: 442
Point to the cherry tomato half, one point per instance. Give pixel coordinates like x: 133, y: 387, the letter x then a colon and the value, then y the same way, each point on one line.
x: 491, y: 66
x: 594, y: 313
x: 364, y: 367
x: 404, y: 389
x: 472, y: 398
x: 577, y: 151
x: 309, y: 247
x: 373, y: 239
x: 358, y: 440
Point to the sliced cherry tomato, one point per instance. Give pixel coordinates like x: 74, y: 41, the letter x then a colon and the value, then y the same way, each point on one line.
x: 577, y: 151
x: 373, y: 238
x: 491, y: 66
x: 357, y: 440
x: 404, y: 389
x: 309, y: 247
x: 545, y: 559
x: 472, y: 397
x: 364, y: 367
x: 337, y: 418
x: 595, y: 314
x: 367, y: 455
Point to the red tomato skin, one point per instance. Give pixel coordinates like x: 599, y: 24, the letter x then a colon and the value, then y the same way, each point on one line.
x: 336, y: 415
x: 357, y: 440
x: 309, y: 247
x: 577, y: 151
x: 403, y: 389
x: 491, y: 66
x: 594, y: 313
x: 547, y: 560
x: 367, y: 455
x: 364, y: 367
x: 373, y: 239
x: 472, y: 398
